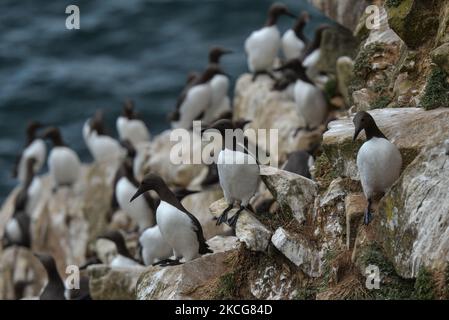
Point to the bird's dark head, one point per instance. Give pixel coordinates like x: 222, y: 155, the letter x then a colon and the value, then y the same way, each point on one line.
x: 47, y: 261
x: 97, y: 123
x: 151, y: 181
x: 221, y: 126
x: 215, y: 54
x: 128, y: 108
x: 277, y: 10
x: 32, y: 127
x: 362, y: 121
x: 54, y: 135
x: 302, y: 20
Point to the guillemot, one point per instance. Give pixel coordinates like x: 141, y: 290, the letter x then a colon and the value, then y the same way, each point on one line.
x: 192, y: 78
x: 17, y: 229
x: 312, y: 53
x: 180, y: 229
x: 262, y: 45
x: 238, y: 173
x: 123, y: 258
x: 194, y: 103
x: 294, y: 41
x: 219, y: 84
x: 379, y: 161
x: 54, y: 289
x: 34, y: 148
x: 63, y: 163
x: 129, y: 127
x: 142, y: 211
x: 102, y: 147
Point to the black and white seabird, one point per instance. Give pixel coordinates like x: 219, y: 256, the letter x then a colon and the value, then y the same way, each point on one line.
x: 142, y: 211
x: 123, y: 258
x: 34, y: 148
x: 219, y: 84
x: 192, y: 78
x: 129, y: 127
x: 294, y: 41
x: 299, y: 162
x: 154, y: 248
x: 54, y: 289
x: 263, y: 45
x: 379, y: 161
x: 312, y: 53
x: 102, y: 147
x: 63, y: 163
x: 181, y: 229
x: 17, y: 229
x: 195, y: 102
x: 311, y: 104
x: 238, y: 173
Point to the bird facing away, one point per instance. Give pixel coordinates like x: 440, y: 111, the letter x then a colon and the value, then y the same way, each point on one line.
x: 54, y: 289
x: 180, y: 229
x: 238, y: 173
x: 63, y: 162
x: 262, y: 45
x: 379, y: 161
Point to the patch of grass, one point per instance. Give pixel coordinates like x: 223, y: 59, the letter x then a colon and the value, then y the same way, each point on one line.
x: 392, y: 286
x: 324, y: 173
x: 226, y: 287
x: 424, y: 285
x: 436, y: 93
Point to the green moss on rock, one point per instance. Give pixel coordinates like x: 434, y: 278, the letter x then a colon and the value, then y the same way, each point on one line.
x: 436, y: 93
x: 424, y: 285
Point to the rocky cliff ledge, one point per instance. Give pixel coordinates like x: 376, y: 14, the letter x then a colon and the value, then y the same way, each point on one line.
x: 310, y: 243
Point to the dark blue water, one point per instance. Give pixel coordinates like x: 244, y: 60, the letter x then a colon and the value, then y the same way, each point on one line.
x: 141, y: 49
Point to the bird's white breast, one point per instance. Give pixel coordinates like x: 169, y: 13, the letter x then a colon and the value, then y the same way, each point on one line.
x: 105, y: 148
x: 292, y: 46
x: 133, y: 130
x: 262, y: 47
x: 310, y: 102
x: 120, y: 261
x: 238, y: 174
x: 379, y: 163
x: 154, y: 246
x: 12, y: 230
x: 64, y: 165
x: 197, y: 100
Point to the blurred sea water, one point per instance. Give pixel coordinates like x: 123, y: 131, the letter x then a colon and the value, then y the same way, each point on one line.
x: 142, y: 49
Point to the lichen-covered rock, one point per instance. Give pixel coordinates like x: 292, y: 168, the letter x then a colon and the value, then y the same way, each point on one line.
x: 298, y: 250
x: 185, y: 281
x: 415, y: 21
x: 106, y: 283
x: 441, y: 56
x: 355, y: 205
x: 273, y: 283
x: 412, y: 221
x: 345, y: 12
x: 294, y: 193
x: 410, y: 129
x: 248, y: 229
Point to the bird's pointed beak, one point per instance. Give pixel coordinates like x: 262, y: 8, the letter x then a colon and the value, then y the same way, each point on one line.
x: 356, y: 133
x: 139, y: 192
